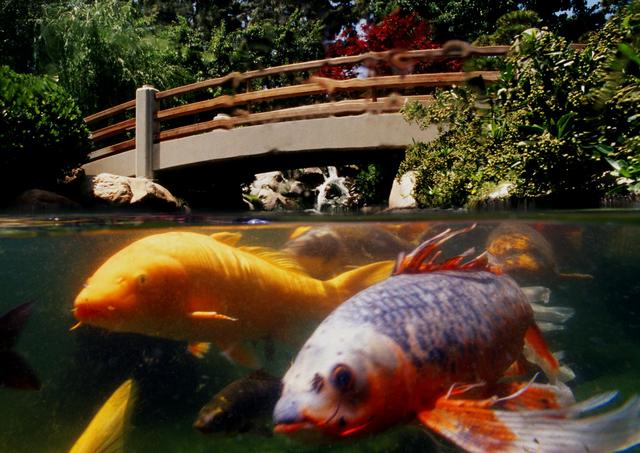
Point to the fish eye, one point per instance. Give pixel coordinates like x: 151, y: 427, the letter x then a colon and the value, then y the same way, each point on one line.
x: 142, y: 279
x: 342, y: 378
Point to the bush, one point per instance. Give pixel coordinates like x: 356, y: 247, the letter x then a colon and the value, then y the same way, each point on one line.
x: 42, y: 134
x: 560, y: 124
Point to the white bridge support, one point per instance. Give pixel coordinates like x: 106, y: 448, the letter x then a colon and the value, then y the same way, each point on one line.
x: 146, y: 128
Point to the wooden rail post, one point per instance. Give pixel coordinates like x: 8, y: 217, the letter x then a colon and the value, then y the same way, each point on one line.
x: 146, y: 107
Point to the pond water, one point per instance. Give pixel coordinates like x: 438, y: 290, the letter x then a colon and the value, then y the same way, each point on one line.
x: 47, y: 260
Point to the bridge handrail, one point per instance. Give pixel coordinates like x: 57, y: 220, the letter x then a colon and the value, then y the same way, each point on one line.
x: 451, y: 49
x: 316, y: 86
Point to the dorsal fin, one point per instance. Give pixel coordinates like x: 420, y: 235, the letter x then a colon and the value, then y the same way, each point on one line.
x: 423, y: 258
x: 227, y: 237
x: 274, y: 257
x: 299, y: 231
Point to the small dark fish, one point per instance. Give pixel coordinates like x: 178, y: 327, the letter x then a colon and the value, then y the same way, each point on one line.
x: 244, y: 405
x: 14, y: 370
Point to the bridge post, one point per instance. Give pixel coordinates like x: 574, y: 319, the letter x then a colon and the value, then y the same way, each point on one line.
x: 146, y: 107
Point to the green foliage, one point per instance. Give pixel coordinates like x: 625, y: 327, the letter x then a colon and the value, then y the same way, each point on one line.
x: 42, y: 134
x: 368, y: 183
x: 263, y: 44
x: 508, y: 27
x: 102, y: 51
x: 554, y: 126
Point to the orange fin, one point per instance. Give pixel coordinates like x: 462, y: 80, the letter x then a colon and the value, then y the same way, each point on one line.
x: 517, y: 396
x: 352, y: 281
x: 210, y: 315
x: 275, y: 257
x: 477, y: 426
x: 227, y: 237
x: 241, y: 355
x: 536, y: 351
x: 424, y: 257
x: 198, y: 350
x: 299, y: 231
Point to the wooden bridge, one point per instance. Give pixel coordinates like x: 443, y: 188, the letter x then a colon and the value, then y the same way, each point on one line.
x: 272, y: 118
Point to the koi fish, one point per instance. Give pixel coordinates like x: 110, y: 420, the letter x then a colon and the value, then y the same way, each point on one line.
x: 14, y: 370
x: 190, y: 286
x: 106, y: 430
x: 431, y: 344
x: 324, y: 251
x: 244, y: 405
x: 525, y: 254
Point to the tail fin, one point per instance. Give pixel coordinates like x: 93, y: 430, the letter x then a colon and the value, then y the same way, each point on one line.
x: 14, y: 370
x: 105, y: 432
x: 356, y: 280
x: 478, y: 428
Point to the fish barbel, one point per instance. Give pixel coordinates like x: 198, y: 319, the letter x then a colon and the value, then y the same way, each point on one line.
x: 190, y: 286
x: 432, y: 343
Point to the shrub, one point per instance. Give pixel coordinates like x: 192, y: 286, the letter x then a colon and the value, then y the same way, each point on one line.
x: 42, y: 134
x: 554, y: 126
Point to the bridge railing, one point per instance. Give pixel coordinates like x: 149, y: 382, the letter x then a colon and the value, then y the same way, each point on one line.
x: 141, y: 122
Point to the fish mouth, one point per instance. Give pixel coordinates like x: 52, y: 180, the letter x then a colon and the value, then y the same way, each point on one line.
x: 84, y: 312
x: 288, y: 428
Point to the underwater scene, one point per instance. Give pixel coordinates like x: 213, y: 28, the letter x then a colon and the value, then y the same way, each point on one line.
x: 378, y: 333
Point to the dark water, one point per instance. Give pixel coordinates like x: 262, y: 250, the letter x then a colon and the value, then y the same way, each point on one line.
x: 46, y: 260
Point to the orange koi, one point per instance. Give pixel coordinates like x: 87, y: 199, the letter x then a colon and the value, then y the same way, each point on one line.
x: 432, y: 343
x: 190, y: 286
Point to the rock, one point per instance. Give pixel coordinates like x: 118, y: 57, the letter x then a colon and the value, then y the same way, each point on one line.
x: 501, y: 191
x: 43, y: 200
x: 310, y: 177
x: 272, y: 200
x: 274, y: 180
x: 118, y: 190
x: 401, y: 196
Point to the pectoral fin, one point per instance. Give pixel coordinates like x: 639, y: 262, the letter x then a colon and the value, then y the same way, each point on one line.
x: 240, y: 354
x: 198, y: 350
x: 210, y: 315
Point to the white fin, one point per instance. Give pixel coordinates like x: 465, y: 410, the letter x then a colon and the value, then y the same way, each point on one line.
x: 554, y: 315
x: 562, y: 431
x: 537, y: 294
x: 570, y: 429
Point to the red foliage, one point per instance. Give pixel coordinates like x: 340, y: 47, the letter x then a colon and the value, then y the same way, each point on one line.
x: 395, y: 31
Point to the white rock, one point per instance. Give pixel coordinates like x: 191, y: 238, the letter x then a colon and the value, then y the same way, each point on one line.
x: 401, y: 196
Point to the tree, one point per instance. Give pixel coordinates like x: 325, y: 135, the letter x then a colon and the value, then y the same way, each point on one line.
x: 469, y: 19
x: 395, y: 31
x: 42, y: 134
x: 102, y: 51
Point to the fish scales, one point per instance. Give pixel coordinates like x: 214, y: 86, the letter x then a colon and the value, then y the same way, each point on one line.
x: 446, y: 318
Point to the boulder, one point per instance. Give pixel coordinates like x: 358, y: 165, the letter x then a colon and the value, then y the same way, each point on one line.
x: 117, y: 190
x: 401, y: 196
x: 42, y: 200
